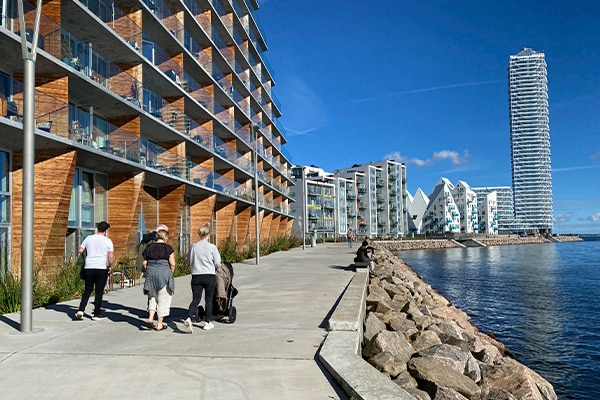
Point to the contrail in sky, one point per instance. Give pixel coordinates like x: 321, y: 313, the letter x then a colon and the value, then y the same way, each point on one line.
x: 430, y: 89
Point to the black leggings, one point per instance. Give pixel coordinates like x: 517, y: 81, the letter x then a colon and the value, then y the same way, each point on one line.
x: 200, y: 282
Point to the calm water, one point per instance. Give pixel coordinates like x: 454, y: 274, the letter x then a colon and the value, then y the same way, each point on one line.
x: 542, y: 301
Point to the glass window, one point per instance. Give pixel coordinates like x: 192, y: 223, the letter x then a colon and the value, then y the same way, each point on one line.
x: 5, y: 213
x: 89, y: 204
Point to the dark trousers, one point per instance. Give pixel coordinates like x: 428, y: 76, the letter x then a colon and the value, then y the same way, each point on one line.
x: 93, y: 278
x: 199, y: 283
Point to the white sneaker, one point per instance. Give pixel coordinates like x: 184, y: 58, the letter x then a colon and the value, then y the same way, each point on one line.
x: 208, y: 325
x: 99, y: 317
x: 188, y: 325
x: 79, y: 315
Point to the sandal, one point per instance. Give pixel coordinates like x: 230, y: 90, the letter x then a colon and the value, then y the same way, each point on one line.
x: 150, y: 325
x: 164, y: 326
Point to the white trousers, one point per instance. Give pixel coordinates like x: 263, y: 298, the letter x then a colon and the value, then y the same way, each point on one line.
x: 160, y: 301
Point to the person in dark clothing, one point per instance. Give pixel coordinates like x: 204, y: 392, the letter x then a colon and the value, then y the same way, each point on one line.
x: 362, y: 254
x: 148, y: 238
x: 98, y: 262
x: 159, y: 264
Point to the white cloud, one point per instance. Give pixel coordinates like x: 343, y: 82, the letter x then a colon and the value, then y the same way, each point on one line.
x: 429, y: 89
x: 594, y: 217
x: 454, y: 157
x: 565, y: 217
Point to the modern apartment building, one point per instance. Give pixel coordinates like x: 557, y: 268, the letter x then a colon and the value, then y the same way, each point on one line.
x: 316, y: 202
x: 488, y: 213
x: 381, y: 197
x: 442, y: 214
x: 416, y: 206
x: 466, y: 202
x: 367, y: 198
x: 146, y: 111
x: 530, y: 140
x: 504, y: 207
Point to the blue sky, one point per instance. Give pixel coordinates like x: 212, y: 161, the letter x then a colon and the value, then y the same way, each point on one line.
x: 425, y: 83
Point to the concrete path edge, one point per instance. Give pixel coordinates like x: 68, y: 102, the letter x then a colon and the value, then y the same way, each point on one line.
x: 340, y: 353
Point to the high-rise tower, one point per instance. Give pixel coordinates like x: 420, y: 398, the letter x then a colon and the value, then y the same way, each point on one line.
x: 530, y: 141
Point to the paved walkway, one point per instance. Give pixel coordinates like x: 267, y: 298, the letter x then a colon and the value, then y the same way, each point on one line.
x: 268, y: 353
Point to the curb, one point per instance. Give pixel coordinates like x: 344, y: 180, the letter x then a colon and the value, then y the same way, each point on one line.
x: 340, y: 353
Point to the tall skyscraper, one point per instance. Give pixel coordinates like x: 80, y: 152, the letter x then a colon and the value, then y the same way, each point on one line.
x: 530, y: 141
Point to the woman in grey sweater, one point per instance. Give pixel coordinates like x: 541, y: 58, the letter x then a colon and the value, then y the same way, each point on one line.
x: 204, y: 260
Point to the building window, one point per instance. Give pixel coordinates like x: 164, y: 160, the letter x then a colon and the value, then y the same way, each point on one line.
x: 185, y: 227
x: 5, y: 213
x: 88, y: 206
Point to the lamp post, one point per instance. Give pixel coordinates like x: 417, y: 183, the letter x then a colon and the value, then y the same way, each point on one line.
x: 28, y: 165
x: 256, y: 208
x: 303, y: 208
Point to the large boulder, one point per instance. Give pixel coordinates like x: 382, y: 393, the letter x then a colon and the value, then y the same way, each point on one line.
x: 435, y: 374
x: 514, y: 378
x: 387, y: 363
x: 392, y: 342
x: 425, y: 340
x: 373, y: 326
x: 453, y: 357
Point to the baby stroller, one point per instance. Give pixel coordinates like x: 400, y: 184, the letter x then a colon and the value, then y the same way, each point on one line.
x: 223, y: 308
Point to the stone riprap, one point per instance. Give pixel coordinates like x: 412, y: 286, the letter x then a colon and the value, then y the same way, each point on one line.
x: 427, y: 346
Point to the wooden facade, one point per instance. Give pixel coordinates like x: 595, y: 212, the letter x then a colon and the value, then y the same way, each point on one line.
x: 158, y: 129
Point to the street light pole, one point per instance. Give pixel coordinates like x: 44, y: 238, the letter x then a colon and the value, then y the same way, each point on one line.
x: 303, y: 208
x: 28, y: 166
x: 256, y: 209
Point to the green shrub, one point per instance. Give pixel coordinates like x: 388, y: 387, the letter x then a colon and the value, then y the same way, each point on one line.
x: 10, y: 294
x: 182, y: 267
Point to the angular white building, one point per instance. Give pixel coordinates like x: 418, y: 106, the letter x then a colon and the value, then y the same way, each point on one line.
x: 505, y: 209
x: 416, y: 206
x: 442, y: 214
x: 488, y: 213
x: 530, y: 140
x: 466, y: 202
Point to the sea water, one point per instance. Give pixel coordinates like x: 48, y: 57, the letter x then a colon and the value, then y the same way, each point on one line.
x: 540, y: 300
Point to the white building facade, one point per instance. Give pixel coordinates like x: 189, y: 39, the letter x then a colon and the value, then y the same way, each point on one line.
x: 488, y: 213
x: 466, y: 203
x: 442, y: 214
x: 530, y: 140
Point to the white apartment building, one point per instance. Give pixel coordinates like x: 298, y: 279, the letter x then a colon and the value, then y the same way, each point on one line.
x: 416, y: 206
x: 381, y: 194
x: 315, y: 206
x: 530, y: 140
x: 442, y: 213
x: 488, y: 213
x: 505, y: 210
x: 466, y: 202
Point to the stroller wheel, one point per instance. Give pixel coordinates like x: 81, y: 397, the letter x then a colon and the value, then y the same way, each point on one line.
x: 232, y: 315
x: 200, y: 314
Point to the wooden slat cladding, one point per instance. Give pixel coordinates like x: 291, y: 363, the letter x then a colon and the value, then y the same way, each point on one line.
x: 243, y: 227
x: 170, y: 206
x: 225, y: 218
x: 53, y: 176
x: 275, y: 226
x: 149, y: 203
x: 201, y: 212
x: 265, y: 226
x: 124, y: 211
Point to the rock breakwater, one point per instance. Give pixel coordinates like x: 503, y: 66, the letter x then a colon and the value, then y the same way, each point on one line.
x: 417, y: 338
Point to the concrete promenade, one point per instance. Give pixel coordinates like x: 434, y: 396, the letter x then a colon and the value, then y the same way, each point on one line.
x: 270, y: 352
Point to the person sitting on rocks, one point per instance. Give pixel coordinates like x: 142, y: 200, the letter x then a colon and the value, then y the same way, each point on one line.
x: 362, y: 254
